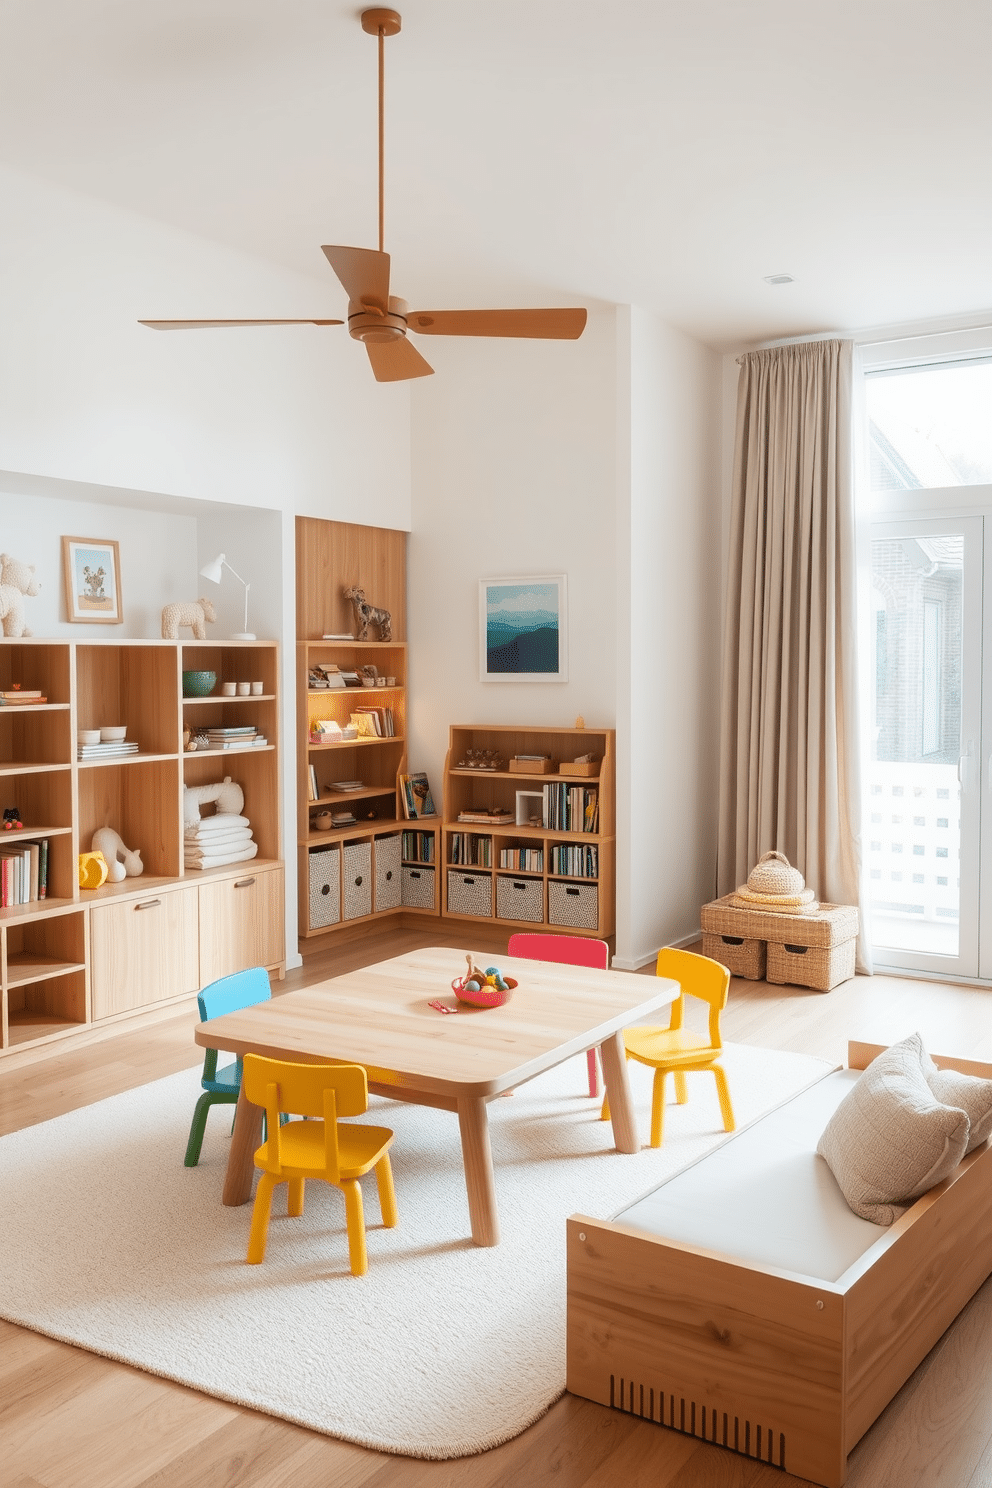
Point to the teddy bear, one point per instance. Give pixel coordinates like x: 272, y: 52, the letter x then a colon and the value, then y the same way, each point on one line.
x: 16, y: 580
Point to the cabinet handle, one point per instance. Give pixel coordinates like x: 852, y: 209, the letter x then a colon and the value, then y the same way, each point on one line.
x: 148, y: 904
x: 573, y: 892
x: 389, y: 875
x: 519, y: 885
x: 414, y: 873
x: 244, y: 883
x: 325, y: 889
x: 358, y: 882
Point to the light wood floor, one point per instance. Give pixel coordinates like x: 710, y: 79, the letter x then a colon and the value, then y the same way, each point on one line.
x: 69, y: 1419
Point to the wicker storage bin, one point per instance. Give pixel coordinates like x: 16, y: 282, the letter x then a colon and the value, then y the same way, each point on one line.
x: 388, y: 861
x: 356, y: 871
x: 742, y: 957
x: 571, y: 904
x: 818, y: 967
x: 470, y: 893
x: 520, y: 899
x: 417, y: 887
x: 324, y: 865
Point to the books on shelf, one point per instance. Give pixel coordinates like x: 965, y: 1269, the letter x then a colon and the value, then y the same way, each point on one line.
x: 418, y: 847
x: 313, y: 790
x: 415, y: 795
x: 23, y: 872
x: 18, y: 696
x: 497, y: 817
x: 570, y: 808
x: 575, y: 861
x: 469, y: 850
x: 522, y: 859
x: 374, y: 723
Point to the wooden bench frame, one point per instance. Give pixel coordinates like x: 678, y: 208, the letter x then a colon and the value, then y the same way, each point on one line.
x: 780, y: 1367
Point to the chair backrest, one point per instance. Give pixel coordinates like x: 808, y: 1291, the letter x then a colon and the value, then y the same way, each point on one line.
x: 698, y: 976
x: 320, y: 1090
x: 567, y: 950
x: 231, y: 993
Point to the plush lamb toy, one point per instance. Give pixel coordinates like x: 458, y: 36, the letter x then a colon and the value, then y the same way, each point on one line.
x: 226, y: 794
x: 16, y: 579
x: 122, y: 862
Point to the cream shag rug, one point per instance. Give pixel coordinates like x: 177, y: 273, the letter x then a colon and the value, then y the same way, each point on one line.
x: 440, y: 1350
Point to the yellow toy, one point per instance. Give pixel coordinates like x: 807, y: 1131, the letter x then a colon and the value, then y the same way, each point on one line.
x: 93, y: 870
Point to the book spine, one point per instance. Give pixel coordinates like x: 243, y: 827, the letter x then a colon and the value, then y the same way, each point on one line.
x: 43, y: 869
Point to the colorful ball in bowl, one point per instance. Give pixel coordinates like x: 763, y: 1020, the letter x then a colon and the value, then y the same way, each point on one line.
x: 486, y: 996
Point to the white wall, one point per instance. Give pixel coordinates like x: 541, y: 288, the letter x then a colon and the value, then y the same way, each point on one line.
x: 284, y: 417
x: 668, y: 628
x: 513, y: 473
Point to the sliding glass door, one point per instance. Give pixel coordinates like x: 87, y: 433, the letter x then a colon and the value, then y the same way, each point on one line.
x: 926, y: 778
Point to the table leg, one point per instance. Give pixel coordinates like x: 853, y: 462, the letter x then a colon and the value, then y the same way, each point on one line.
x: 241, y: 1160
x: 614, y: 1059
x: 477, y: 1158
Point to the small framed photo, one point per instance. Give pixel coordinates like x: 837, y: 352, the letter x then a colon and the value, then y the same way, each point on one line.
x: 523, y: 629
x: 91, y: 568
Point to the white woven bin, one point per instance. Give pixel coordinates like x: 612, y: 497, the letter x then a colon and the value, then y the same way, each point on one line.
x: 574, y: 905
x: 388, y: 862
x: 520, y: 899
x: 418, y: 887
x: 324, y: 867
x: 356, y: 870
x: 470, y: 894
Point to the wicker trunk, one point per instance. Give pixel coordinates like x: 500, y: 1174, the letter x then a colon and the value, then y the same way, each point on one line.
x: 815, y: 951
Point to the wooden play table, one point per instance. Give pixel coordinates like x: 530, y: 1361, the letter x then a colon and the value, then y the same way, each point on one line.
x: 379, y: 1017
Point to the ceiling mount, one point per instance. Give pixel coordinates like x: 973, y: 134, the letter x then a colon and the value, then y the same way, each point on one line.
x: 381, y: 320
x: 384, y: 22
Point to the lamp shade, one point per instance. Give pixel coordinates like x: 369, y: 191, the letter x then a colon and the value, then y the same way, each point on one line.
x: 212, y: 570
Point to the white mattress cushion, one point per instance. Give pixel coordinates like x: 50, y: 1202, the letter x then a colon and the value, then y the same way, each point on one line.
x: 892, y: 1139
x: 765, y: 1195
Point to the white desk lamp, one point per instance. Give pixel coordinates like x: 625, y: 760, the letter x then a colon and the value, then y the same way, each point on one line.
x: 213, y: 571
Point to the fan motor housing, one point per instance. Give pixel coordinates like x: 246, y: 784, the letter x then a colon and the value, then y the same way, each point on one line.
x: 368, y: 322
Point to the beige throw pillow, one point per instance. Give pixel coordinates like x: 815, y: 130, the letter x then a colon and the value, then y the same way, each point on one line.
x: 892, y: 1138
x: 969, y: 1093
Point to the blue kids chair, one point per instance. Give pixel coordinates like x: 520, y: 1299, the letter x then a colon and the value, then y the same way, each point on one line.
x: 222, y: 1088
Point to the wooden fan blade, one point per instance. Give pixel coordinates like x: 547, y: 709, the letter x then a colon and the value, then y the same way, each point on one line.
x: 363, y: 271
x: 396, y: 361
x: 552, y: 325
x: 199, y: 325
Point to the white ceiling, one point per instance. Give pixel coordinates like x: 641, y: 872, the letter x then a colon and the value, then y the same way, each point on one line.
x: 668, y: 153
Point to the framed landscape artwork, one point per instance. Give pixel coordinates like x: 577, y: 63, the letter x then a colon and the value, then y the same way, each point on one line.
x: 91, y: 568
x: 523, y: 630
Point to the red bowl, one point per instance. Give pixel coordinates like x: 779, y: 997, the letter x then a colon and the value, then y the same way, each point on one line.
x: 486, y: 997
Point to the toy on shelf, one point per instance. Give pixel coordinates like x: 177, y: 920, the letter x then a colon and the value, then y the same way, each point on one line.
x: 225, y: 837
x: 16, y: 580
x: 195, y: 613
x: 122, y: 862
x: 481, y: 759
x: 366, y: 615
x: 11, y: 818
x: 93, y: 870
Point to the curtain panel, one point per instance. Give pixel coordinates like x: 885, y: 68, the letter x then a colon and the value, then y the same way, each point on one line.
x: 790, y: 776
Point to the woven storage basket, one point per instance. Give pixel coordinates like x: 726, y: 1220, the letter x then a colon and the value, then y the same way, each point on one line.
x: 356, y: 871
x: 418, y: 887
x: 324, y: 864
x: 388, y: 860
x: 830, y: 925
x: 774, y: 874
x: 818, y: 967
x: 742, y: 957
x: 520, y: 899
x: 574, y: 905
x: 470, y: 893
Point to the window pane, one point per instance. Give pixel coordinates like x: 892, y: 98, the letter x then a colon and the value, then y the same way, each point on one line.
x: 930, y: 427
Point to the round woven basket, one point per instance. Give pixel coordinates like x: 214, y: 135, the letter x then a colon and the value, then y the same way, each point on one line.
x: 774, y: 875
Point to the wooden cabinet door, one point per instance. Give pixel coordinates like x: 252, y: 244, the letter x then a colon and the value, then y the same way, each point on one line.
x: 142, y: 951
x: 241, y: 923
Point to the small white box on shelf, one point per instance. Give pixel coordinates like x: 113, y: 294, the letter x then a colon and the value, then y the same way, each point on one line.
x: 530, y: 807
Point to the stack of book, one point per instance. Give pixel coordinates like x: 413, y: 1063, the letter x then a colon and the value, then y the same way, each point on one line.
x: 374, y: 723
x: 418, y: 847
x: 247, y: 737
x: 23, y: 872
x: 109, y: 750
x: 17, y: 696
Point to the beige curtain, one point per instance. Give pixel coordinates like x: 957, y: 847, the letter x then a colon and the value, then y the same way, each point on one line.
x: 790, y: 762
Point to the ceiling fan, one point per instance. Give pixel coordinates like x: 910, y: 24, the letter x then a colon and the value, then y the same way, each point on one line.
x: 380, y: 319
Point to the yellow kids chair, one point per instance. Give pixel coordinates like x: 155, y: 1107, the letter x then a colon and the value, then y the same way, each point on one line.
x: 327, y: 1149
x: 674, y: 1049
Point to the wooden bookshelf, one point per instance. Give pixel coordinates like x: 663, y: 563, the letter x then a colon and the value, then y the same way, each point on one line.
x: 552, y: 874
x: 76, y: 958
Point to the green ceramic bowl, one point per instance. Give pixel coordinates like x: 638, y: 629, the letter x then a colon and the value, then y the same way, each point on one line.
x: 199, y: 684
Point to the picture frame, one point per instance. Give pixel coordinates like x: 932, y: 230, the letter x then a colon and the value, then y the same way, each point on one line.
x: 91, y: 571
x: 523, y: 629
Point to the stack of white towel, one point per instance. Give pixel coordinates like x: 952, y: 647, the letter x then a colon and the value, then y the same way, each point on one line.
x: 219, y: 839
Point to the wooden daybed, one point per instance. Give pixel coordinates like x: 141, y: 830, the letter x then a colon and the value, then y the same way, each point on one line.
x: 778, y: 1365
